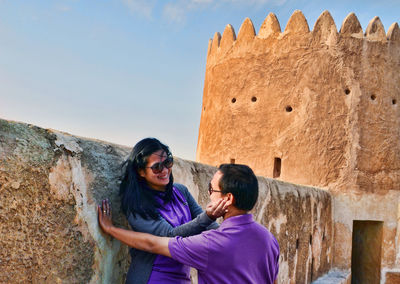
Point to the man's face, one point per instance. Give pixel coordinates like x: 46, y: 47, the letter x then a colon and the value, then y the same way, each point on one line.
x: 215, y: 196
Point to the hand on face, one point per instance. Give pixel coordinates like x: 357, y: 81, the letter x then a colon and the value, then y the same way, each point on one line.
x: 216, y: 209
x: 104, y: 214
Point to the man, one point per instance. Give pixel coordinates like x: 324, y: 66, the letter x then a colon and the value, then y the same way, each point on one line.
x: 239, y: 251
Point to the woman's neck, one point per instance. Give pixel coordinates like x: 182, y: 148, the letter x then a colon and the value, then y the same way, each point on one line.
x: 157, y: 188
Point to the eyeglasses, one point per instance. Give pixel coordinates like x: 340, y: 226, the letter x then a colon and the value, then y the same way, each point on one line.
x: 158, y: 167
x: 211, y: 190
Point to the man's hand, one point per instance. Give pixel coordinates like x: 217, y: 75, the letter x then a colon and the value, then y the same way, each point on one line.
x: 104, y: 213
x: 141, y: 241
x: 217, y: 209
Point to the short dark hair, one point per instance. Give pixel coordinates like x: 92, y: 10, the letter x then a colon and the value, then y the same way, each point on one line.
x: 241, y: 181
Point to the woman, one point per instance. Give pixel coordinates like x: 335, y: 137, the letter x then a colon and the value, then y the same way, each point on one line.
x: 154, y: 204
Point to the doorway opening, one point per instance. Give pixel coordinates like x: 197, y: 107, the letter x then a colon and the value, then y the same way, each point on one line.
x: 366, y: 251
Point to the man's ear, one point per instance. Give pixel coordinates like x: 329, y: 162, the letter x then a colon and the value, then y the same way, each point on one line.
x: 230, y: 199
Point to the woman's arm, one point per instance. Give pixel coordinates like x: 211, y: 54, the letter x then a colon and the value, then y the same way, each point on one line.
x: 195, y: 209
x: 160, y: 227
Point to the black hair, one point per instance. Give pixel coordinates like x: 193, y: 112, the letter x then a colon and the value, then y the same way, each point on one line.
x: 136, y: 197
x: 241, y: 181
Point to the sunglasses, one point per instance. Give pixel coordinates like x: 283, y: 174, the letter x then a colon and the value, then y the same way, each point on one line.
x: 211, y: 190
x: 158, y: 167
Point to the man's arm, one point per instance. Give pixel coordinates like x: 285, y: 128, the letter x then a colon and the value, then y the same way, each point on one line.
x: 141, y: 241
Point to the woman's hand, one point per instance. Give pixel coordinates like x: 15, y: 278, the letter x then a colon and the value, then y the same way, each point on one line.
x: 104, y: 213
x: 217, y: 209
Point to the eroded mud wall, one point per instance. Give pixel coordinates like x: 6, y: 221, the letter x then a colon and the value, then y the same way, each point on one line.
x: 50, y: 183
x: 325, y: 102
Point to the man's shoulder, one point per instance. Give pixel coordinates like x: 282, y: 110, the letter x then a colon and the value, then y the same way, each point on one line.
x: 263, y: 232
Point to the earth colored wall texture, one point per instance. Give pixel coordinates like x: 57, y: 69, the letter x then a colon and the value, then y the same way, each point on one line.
x: 326, y: 103
x: 50, y: 183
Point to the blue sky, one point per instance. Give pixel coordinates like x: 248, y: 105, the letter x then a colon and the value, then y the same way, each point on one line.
x: 122, y: 70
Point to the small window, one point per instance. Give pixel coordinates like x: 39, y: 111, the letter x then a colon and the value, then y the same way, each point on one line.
x: 277, y: 167
x: 232, y: 161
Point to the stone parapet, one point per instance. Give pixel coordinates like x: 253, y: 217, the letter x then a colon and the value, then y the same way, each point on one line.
x: 50, y: 183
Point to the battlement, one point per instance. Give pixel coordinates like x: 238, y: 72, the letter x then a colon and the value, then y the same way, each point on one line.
x: 324, y: 32
x: 289, y: 97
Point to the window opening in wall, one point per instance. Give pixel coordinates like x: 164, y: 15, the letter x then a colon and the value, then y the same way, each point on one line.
x: 277, y: 168
x: 347, y: 91
x: 394, y: 101
x: 234, y: 100
x: 288, y: 108
x: 253, y: 99
x: 366, y: 251
x: 312, y: 269
x: 232, y: 161
x: 373, y: 97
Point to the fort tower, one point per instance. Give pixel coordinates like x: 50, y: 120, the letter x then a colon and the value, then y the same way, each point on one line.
x: 316, y: 107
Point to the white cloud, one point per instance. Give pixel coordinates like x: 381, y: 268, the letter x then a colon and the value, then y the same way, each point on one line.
x: 176, y: 11
x: 140, y: 7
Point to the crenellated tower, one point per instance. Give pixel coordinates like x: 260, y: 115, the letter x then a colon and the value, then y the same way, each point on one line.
x: 316, y: 107
x: 313, y: 107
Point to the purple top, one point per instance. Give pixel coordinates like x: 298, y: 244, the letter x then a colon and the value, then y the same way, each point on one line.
x: 239, y: 251
x: 165, y: 269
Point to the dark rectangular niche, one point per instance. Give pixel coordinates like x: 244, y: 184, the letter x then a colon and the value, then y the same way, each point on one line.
x: 277, y: 167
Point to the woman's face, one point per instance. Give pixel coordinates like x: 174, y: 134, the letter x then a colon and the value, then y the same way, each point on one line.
x: 157, y: 181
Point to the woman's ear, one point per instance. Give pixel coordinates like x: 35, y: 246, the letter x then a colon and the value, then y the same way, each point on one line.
x: 141, y: 172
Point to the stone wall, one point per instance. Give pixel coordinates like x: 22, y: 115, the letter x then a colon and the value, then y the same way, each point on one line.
x: 50, y: 183
x: 324, y: 104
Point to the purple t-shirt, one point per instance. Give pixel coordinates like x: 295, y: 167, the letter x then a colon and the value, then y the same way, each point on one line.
x: 166, y: 269
x: 239, y: 251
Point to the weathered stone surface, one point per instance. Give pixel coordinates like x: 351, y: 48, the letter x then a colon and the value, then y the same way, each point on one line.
x: 325, y: 29
x: 215, y: 44
x: 297, y: 24
x: 393, y: 33
x: 335, y: 276
x: 270, y: 27
x: 375, y: 30
x: 351, y: 26
x: 246, y: 31
x: 50, y: 183
x: 228, y: 38
x: 325, y: 106
x: 392, y: 278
